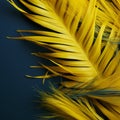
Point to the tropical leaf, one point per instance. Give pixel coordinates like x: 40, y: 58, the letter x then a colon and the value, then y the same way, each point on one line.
x: 82, y: 37
x: 68, y: 108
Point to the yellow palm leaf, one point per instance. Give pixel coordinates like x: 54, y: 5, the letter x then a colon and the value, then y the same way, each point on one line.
x: 83, y: 39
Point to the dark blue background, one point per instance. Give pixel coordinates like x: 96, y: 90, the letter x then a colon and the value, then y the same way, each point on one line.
x: 16, y: 91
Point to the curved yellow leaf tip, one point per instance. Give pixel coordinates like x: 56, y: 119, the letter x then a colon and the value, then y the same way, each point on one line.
x: 83, y: 43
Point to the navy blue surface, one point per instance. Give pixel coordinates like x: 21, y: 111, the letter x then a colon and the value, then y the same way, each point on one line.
x: 16, y: 91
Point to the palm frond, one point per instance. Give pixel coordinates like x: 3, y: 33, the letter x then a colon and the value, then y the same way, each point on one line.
x: 83, y: 43
x: 67, y: 108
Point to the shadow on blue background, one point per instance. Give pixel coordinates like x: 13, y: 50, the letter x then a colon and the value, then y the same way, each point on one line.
x: 16, y: 91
